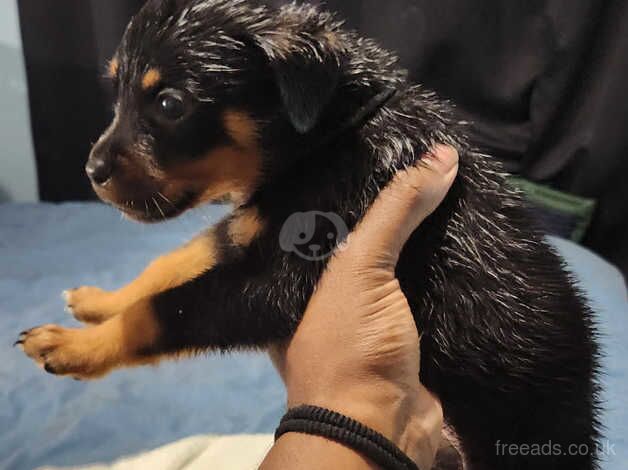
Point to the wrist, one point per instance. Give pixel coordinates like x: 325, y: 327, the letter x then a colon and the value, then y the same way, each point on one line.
x: 406, y: 415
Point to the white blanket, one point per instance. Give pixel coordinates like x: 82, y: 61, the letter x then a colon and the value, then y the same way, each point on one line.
x: 242, y: 452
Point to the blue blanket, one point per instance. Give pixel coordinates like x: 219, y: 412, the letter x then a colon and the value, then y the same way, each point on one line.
x: 45, y: 420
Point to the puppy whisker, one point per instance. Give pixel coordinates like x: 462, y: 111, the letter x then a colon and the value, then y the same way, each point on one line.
x: 165, y: 198
x: 159, y: 208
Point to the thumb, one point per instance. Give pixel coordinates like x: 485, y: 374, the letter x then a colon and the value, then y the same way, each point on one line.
x: 402, y: 206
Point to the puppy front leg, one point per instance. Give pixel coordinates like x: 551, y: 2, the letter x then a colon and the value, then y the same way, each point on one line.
x: 93, y: 305
x: 207, y: 313
x: 139, y: 333
x: 125, y: 328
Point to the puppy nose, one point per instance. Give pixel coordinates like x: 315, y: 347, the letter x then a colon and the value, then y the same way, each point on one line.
x: 99, y: 170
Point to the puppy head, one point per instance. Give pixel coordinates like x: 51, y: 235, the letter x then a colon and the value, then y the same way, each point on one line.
x: 198, y: 83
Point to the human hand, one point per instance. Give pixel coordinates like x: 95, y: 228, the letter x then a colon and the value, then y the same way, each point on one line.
x: 356, y: 351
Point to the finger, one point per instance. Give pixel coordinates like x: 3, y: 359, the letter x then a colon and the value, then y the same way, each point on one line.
x: 402, y: 206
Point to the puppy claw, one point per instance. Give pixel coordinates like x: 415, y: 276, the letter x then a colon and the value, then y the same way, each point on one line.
x: 21, y: 337
x: 63, y: 351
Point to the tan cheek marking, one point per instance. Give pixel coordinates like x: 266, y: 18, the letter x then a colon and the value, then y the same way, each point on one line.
x: 151, y: 79
x: 236, y: 174
x: 227, y: 171
x: 114, y: 65
x: 245, y: 227
x: 230, y: 171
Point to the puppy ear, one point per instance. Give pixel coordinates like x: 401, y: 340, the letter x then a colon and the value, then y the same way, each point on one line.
x: 306, y: 86
x: 306, y: 55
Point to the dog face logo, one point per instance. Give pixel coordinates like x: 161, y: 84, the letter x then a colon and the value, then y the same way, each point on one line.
x: 313, y: 235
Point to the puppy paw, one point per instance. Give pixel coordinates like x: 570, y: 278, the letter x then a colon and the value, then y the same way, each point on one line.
x: 64, y: 351
x: 90, y: 304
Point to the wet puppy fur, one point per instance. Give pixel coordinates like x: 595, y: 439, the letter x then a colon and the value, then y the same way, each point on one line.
x: 232, y: 100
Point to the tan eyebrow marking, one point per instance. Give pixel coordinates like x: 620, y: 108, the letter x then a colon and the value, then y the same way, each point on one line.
x: 113, y: 67
x: 151, y: 78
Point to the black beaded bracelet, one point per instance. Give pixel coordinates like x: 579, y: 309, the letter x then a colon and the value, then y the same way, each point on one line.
x: 344, y: 430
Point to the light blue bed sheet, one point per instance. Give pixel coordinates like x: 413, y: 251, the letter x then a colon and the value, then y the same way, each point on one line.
x: 45, y: 420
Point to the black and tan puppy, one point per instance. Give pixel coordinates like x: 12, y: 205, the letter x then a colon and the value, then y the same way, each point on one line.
x: 283, y: 112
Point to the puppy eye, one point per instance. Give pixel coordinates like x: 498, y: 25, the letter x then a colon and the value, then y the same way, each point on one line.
x: 171, y: 104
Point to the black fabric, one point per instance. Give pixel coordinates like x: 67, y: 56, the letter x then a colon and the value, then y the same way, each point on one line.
x: 543, y: 81
x: 66, y: 46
